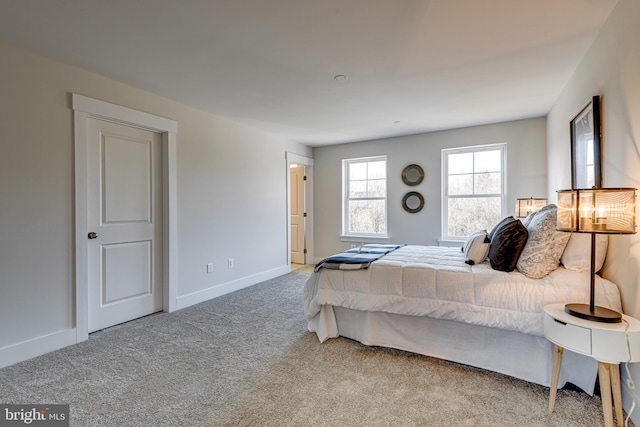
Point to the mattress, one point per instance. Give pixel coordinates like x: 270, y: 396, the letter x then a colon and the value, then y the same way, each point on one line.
x: 434, y: 281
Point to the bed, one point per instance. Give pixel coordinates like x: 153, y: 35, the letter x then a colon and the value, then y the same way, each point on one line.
x: 430, y: 300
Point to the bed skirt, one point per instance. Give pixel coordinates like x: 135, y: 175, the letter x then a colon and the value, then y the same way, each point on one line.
x: 524, y: 356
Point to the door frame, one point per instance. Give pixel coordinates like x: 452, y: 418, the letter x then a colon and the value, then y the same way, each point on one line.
x: 83, y: 108
x: 292, y: 158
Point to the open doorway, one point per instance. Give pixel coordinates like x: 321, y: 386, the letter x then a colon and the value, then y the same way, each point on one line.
x: 299, y: 210
x: 298, y: 214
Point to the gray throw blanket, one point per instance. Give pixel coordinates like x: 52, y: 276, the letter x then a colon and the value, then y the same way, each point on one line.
x: 356, y: 258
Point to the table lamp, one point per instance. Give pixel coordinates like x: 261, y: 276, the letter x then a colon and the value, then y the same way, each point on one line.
x: 596, y: 211
x: 526, y: 206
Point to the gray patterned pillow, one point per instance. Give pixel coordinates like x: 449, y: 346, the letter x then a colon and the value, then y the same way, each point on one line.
x: 541, y: 255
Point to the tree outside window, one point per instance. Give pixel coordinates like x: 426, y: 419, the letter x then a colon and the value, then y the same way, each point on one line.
x: 473, y: 189
x: 365, y: 197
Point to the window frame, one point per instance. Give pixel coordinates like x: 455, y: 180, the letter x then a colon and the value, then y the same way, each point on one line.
x: 355, y: 236
x: 502, y: 147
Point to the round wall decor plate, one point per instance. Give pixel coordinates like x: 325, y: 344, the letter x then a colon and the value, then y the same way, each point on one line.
x: 412, y: 174
x: 413, y: 202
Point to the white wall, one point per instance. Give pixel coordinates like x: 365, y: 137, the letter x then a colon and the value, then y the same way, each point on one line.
x: 231, y: 198
x: 526, y: 177
x: 611, y: 69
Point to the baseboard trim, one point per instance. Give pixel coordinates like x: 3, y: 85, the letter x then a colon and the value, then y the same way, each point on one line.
x: 225, y: 288
x: 29, y: 349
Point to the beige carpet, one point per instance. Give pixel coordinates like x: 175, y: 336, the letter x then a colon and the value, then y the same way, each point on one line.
x: 246, y: 359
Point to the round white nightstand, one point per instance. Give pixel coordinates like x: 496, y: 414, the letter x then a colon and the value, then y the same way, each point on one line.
x: 608, y: 343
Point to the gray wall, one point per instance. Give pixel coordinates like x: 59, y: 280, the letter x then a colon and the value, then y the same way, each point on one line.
x: 231, y: 196
x: 526, y: 177
x: 611, y: 69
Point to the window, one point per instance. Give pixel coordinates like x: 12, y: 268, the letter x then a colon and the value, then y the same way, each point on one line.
x: 473, y: 189
x: 364, y: 205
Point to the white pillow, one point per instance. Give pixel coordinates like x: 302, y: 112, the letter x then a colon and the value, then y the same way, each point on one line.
x: 526, y: 221
x: 476, y: 248
x: 545, y: 245
x: 577, y: 254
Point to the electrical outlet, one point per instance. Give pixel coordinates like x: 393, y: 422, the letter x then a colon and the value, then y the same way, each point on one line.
x: 230, y: 262
x: 209, y: 268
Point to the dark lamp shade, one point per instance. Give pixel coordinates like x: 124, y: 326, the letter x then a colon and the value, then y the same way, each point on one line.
x: 601, y: 210
x: 526, y: 206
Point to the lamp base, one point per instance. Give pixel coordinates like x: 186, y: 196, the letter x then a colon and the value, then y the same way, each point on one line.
x: 599, y: 314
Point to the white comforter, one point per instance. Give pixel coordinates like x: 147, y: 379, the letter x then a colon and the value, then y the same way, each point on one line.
x: 434, y: 281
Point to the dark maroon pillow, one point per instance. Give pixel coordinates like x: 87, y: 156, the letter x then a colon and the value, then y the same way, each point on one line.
x: 509, y: 238
x: 500, y: 224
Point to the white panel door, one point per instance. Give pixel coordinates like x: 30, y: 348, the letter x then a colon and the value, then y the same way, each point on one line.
x: 297, y: 215
x: 124, y: 223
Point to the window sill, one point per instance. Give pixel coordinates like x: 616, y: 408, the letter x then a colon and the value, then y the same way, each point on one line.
x: 365, y: 239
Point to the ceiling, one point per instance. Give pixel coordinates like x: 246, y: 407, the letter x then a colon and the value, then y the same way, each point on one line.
x: 411, y: 66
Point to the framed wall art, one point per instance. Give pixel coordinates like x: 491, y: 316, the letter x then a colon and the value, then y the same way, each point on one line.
x: 586, y: 147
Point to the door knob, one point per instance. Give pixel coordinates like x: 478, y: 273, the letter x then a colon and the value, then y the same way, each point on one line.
x: 92, y: 235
